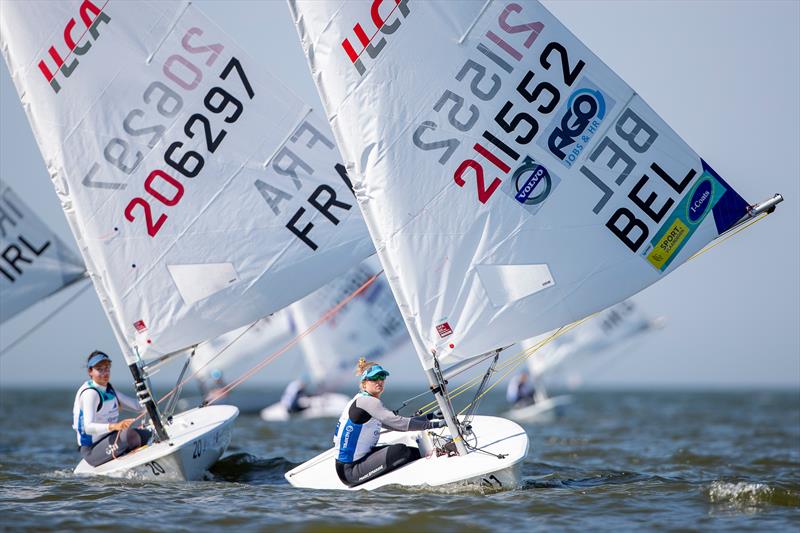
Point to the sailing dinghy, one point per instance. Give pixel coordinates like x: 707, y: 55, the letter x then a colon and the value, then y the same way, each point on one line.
x: 369, y: 326
x: 609, y: 329
x: 215, y: 361
x: 34, y: 262
x: 512, y: 184
x: 202, y: 193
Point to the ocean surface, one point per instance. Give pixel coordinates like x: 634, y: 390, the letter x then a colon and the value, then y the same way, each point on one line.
x: 612, y: 460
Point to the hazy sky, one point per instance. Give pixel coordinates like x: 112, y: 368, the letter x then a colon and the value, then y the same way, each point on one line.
x: 724, y: 74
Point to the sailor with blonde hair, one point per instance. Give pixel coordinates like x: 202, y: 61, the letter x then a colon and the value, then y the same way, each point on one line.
x: 358, y: 430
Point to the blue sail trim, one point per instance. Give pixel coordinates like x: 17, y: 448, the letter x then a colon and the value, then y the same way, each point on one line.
x: 730, y: 208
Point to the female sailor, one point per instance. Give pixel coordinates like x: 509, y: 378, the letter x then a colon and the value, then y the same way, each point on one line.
x: 359, y: 427
x: 95, y: 416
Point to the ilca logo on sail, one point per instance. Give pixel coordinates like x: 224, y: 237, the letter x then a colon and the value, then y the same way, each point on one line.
x: 531, y: 184
x: 91, y: 16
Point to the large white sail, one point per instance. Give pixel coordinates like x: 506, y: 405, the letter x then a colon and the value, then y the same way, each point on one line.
x: 608, y: 329
x: 511, y: 181
x: 34, y: 262
x: 369, y: 326
x: 202, y: 193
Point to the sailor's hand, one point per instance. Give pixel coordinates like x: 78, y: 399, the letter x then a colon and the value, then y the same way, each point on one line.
x: 438, y: 423
x: 124, y: 424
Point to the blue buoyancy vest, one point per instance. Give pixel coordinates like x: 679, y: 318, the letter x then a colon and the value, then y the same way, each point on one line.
x: 355, y: 440
x: 107, y: 412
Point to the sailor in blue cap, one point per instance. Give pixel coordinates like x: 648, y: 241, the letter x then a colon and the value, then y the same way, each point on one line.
x: 358, y: 430
x: 95, y: 415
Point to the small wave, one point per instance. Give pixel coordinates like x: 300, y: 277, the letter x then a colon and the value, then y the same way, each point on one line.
x: 589, y: 480
x: 744, y: 494
x: 247, y: 468
x: 685, y: 457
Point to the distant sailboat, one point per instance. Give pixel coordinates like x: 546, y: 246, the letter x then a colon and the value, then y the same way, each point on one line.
x: 217, y: 361
x: 608, y: 330
x: 369, y: 326
x: 202, y: 193
x: 512, y: 184
x: 34, y: 262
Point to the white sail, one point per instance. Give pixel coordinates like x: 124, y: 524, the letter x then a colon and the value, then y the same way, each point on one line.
x: 609, y: 329
x: 369, y: 325
x: 34, y: 262
x: 203, y: 194
x: 246, y: 344
x: 511, y: 181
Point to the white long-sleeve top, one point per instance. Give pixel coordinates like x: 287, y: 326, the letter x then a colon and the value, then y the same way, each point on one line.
x: 89, y: 422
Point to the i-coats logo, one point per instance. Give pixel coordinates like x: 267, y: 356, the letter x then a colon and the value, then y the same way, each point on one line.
x: 698, y: 205
x: 373, y: 49
x: 91, y: 16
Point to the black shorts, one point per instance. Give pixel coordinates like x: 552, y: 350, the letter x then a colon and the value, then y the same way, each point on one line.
x: 379, y: 461
x: 110, y: 446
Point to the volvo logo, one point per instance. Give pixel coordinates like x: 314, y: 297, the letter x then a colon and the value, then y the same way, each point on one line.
x: 532, y: 182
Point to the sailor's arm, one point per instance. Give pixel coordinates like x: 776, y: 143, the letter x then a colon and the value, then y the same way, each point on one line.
x: 128, y: 402
x: 388, y: 419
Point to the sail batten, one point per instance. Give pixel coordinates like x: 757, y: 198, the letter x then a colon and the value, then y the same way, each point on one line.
x: 511, y: 181
x: 202, y: 192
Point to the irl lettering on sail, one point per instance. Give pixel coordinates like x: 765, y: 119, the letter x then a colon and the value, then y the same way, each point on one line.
x: 90, y: 16
x: 19, y: 251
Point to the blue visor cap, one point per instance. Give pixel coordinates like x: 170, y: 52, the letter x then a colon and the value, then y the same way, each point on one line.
x: 374, y: 372
x: 96, y: 358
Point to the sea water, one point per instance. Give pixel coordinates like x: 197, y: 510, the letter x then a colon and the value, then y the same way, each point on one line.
x: 613, y: 459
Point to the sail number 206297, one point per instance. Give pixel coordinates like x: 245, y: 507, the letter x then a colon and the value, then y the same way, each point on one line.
x: 220, y: 107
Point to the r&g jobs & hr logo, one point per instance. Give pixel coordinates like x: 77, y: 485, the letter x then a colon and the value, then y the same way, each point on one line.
x: 577, y: 122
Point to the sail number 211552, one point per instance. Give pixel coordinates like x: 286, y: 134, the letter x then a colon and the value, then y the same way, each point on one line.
x: 515, y: 118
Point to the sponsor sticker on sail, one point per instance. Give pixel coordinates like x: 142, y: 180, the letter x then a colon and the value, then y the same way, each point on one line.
x: 531, y: 184
x: 577, y: 121
x: 683, y: 220
x: 444, y: 330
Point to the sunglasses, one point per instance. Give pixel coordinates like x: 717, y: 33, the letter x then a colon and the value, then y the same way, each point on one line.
x: 379, y: 377
x: 105, y: 369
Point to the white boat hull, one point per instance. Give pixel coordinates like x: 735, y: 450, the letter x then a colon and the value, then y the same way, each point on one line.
x: 328, y: 405
x: 198, y: 438
x: 543, y: 411
x: 497, y: 436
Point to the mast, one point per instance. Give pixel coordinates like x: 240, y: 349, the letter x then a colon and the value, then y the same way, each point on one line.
x: 434, y: 375
x: 140, y: 382
x: 439, y: 389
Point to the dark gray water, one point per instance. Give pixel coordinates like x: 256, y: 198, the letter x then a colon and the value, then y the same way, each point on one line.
x: 644, y: 460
